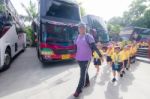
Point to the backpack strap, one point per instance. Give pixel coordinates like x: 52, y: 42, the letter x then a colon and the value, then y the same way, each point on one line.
x: 87, y: 39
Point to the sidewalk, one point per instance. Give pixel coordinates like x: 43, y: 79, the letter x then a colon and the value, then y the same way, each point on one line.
x: 135, y: 84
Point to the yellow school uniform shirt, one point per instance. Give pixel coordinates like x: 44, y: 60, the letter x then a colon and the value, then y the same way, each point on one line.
x: 95, y: 55
x: 130, y: 52
x: 126, y: 55
x: 123, y: 55
x: 134, y: 50
x: 117, y: 57
x: 110, y: 51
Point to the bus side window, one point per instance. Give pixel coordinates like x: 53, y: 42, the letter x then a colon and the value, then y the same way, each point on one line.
x: 18, y: 29
x: 9, y: 20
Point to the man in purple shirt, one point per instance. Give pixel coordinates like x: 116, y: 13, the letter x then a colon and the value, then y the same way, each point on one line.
x: 85, y: 45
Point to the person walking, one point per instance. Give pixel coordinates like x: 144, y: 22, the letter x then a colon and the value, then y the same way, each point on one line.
x: 97, y: 60
x: 85, y: 46
x: 117, y: 62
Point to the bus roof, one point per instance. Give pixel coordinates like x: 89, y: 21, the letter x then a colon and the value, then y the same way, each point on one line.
x: 91, y: 20
x: 68, y: 1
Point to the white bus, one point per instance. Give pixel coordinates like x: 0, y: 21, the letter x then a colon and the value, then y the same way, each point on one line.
x: 12, y: 37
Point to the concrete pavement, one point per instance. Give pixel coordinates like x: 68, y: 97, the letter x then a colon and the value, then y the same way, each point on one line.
x: 27, y: 72
x: 134, y: 85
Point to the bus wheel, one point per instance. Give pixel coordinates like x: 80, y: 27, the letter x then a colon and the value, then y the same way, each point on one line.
x: 7, y: 61
x: 41, y: 58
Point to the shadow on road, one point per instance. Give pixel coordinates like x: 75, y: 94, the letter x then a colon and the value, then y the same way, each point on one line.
x: 128, y: 78
x: 59, y: 63
x: 105, y: 76
x: 112, y: 92
x: 112, y: 89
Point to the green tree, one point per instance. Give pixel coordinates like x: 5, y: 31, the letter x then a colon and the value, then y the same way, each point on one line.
x: 32, y: 14
x: 114, y: 28
x: 135, y: 14
x: 115, y: 24
x: 1, y: 7
x: 137, y: 8
x: 147, y: 18
x: 117, y: 21
x: 82, y: 11
x: 31, y: 10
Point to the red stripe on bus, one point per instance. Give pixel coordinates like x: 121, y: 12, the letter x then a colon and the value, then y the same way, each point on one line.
x: 52, y: 46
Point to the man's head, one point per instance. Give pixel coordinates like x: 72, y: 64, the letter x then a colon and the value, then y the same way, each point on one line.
x: 82, y: 28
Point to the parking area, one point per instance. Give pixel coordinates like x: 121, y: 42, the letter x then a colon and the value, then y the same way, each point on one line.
x: 27, y: 71
x: 29, y: 79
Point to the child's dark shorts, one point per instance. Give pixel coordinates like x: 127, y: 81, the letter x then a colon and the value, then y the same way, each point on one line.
x: 118, y: 68
x: 97, y: 61
x: 109, y: 59
x: 125, y: 63
x: 132, y: 59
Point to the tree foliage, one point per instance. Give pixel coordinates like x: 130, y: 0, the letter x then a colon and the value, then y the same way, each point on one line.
x: 114, y: 28
x: 32, y: 14
x: 82, y: 11
x: 138, y: 15
x: 31, y: 10
x: 1, y: 7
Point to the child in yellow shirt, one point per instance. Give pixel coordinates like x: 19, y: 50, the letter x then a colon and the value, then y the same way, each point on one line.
x: 128, y: 57
x: 97, y: 60
x: 109, y: 52
x: 117, y: 62
x: 133, y: 53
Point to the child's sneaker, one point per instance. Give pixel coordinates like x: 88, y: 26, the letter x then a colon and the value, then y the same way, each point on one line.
x: 114, y: 79
x: 121, y: 75
x: 123, y: 72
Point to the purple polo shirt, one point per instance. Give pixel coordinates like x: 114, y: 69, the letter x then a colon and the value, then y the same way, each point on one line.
x: 84, y: 52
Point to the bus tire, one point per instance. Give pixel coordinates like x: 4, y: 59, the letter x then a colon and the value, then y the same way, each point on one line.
x: 7, y: 60
x: 41, y: 58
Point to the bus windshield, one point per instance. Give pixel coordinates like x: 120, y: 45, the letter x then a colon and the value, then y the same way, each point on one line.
x: 64, y: 10
x: 59, y: 34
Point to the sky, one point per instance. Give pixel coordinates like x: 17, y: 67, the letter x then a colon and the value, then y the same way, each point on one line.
x: 106, y: 9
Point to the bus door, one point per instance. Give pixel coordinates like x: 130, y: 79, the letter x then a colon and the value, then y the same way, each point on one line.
x: 20, y: 39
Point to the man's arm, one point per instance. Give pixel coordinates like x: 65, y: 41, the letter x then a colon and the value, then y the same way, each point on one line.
x: 90, y: 40
x: 94, y: 48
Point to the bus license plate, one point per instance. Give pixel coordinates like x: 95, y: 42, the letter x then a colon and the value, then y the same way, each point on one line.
x: 65, y: 56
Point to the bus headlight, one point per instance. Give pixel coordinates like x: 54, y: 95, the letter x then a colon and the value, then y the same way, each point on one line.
x: 47, y: 52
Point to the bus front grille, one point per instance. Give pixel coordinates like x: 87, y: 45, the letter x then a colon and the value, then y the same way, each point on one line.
x: 64, y: 51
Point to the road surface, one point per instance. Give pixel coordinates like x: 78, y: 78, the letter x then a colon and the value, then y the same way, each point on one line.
x: 29, y: 79
x: 26, y: 71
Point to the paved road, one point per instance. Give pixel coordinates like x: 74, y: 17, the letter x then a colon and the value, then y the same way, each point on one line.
x: 26, y: 71
x: 29, y: 79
